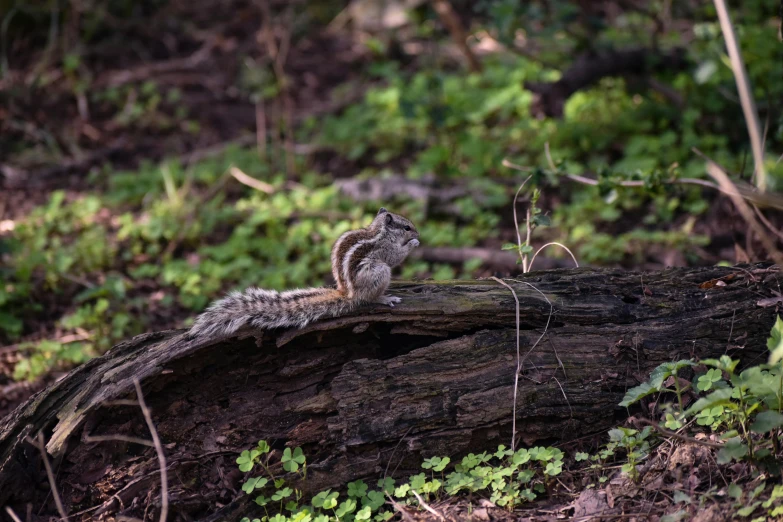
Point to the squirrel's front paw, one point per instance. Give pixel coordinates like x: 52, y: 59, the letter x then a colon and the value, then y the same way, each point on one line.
x: 388, y: 300
x: 413, y: 243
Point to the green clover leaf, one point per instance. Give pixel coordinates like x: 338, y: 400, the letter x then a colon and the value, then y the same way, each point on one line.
x: 280, y: 494
x: 357, y: 489
x: 292, y: 460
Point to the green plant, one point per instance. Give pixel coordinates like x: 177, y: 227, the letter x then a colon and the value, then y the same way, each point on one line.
x: 636, y: 446
x: 361, y: 504
x: 509, y: 478
x: 660, y: 376
x: 748, y: 403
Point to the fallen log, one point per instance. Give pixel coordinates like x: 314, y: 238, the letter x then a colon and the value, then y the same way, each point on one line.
x: 375, y: 391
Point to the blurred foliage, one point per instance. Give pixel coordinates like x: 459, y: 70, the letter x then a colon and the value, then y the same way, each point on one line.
x: 151, y: 246
x: 121, y: 237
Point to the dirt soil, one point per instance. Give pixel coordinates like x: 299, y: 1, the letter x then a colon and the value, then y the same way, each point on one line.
x: 207, y: 51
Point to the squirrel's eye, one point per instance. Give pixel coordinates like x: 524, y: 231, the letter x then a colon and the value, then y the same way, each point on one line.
x: 407, y: 228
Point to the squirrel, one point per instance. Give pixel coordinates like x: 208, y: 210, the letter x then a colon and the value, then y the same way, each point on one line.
x: 361, y: 265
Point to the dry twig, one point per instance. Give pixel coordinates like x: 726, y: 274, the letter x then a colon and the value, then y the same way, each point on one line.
x: 427, y: 506
x: 41, y: 445
x: 553, y: 243
x: 118, y: 438
x: 684, y: 438
x: 744, y: 190
x: 400, y: 509
x: 720, y: 176
x: 143, y: 72
x: 548, y: 320
x: 164, y: 482
x: 516, y: 223
x: 745, y: 93
x: 453, y: 24
x: 250, y: 181
x: 11, y: 514
x: 519, y: 365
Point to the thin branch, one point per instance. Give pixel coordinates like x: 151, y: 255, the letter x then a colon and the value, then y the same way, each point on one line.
x: 682, y: 181
x: 519, y: 365
x: 564, y: 396
x: 124, y: 76
x: 745, y: 93
x: 450, y: 19
x: 164, y: 482
x: 516, y: 225
x: 745, y: 191
x: 11, y: 514
x: 386, y: 471
x: 554, y: 243
x: 118, y: 438
x: 548, y: 320
x: 520, y: 168
x: 403, y: 513
x: 767, y: 223
x: 427, y: 506
x: 120, y: 402
x: 720, y: 176
x: 251, y: 181
x: 663, y: 431
x: 41, y: 445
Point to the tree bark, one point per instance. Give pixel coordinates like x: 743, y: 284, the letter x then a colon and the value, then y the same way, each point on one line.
x: 376, y: 391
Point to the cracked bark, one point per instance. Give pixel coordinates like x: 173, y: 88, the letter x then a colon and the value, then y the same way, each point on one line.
x: 435, y: 372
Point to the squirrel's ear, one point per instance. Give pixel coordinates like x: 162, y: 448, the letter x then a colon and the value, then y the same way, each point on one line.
x: 381, y: 211
x: 388, y: 219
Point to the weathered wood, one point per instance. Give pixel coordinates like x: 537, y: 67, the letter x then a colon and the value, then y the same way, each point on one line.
x: 436, y: 372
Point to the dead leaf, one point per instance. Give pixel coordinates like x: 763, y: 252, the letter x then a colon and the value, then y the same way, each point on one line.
x: 609, y: 496
x: 715, y: 282
x: 590, y: 502
x: 655, y: 484
x: 770, y: 301
x: 687, y: 455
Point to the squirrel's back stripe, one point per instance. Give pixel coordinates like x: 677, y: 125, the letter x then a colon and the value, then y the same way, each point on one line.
x: 354, y: 252
x: 360, y: 254
x: 344, y: 243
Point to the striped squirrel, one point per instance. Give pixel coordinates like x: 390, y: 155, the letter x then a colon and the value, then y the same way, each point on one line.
x: 361, y: 265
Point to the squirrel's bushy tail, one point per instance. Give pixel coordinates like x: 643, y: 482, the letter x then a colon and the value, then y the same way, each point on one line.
x: 268, y: 309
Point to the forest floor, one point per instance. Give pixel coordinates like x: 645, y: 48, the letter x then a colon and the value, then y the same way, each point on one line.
x: 197, y: 90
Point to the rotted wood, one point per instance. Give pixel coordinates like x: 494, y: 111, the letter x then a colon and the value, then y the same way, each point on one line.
x: 376, y: 391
